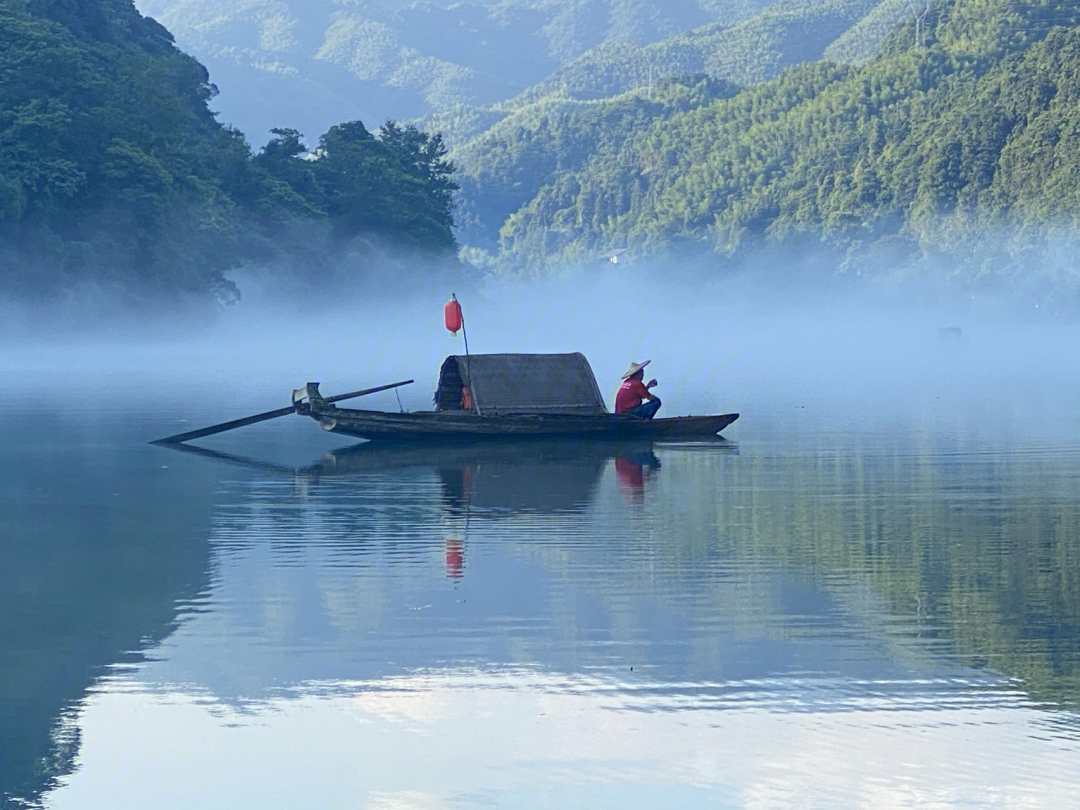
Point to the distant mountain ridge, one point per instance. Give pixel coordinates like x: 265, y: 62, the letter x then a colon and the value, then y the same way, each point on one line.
x: 308, y: 64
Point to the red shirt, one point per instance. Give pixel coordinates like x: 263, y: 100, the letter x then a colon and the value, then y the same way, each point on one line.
x: 631, y: 393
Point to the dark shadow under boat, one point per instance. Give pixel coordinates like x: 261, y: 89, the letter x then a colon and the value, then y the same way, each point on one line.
x: 536, y: 476
x: 369, y: 456
x: 365, y: 457
x: 532, y: 476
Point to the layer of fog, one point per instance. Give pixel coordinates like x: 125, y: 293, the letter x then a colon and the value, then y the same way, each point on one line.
x: 717, y: 345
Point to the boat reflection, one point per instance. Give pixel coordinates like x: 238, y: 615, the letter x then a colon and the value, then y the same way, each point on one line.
x: 484, y: 482
x: 480, y: 483
x: 521, y: 477
x: 534, y: 476
x: 494, y: 480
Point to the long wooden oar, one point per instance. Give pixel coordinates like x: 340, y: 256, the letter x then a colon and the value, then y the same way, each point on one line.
x: 262, y: 417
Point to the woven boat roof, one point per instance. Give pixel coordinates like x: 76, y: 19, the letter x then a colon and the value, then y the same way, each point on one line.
x: 521, y: 383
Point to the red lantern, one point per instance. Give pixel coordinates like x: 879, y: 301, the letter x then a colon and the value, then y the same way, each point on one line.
x: 452, y: 315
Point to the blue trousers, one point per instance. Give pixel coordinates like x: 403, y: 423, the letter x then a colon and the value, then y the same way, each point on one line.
x: 646, y: 410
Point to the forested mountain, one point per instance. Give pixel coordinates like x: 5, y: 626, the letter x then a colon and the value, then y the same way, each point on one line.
x: 746, y: 52
x: 497, y: 180
x: 308, y: 64
x: 956, y: 150
x: 114, y: 172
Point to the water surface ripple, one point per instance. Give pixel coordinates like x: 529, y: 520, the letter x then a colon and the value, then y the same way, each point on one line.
x: 830, y: 618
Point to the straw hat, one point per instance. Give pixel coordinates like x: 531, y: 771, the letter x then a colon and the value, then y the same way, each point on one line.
x: 634, y: 369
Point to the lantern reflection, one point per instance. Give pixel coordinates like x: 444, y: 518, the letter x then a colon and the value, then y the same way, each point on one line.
x: 455, y: 558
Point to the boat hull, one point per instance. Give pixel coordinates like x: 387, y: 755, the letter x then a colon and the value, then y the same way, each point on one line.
x: 441, y: 426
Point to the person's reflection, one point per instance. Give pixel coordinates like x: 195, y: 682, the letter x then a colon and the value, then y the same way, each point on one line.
x: 632, y: 470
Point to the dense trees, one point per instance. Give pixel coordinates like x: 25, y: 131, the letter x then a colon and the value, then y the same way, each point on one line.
x: 114, y: 171
x: 959, y: 154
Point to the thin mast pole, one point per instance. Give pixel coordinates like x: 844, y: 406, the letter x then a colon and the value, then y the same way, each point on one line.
x: 464, y: 333
x: 468, y: 359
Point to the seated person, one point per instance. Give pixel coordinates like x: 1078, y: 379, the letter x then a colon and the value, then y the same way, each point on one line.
x: 634, y: 397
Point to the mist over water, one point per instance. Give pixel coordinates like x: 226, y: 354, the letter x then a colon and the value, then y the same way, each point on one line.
x: 718, y: 344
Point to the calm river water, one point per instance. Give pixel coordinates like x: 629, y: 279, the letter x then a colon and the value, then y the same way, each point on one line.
x: 837, y: 609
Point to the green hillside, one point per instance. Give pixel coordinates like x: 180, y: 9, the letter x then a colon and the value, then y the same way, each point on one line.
x: 745, y: 51
x: 861, y: 42
x: 958, y: 155
x: 553, y: 141
x: 748, y: 52
x: 114, y: 172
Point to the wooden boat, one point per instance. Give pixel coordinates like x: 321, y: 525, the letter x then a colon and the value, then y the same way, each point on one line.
x: 431, y: 425
x: 508, y: 396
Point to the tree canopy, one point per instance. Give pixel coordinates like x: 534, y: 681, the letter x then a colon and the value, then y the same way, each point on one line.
x: 114, y: 170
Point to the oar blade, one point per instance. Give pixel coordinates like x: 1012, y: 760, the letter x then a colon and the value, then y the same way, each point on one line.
x: 263, y: 417
x: 224, y: 426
